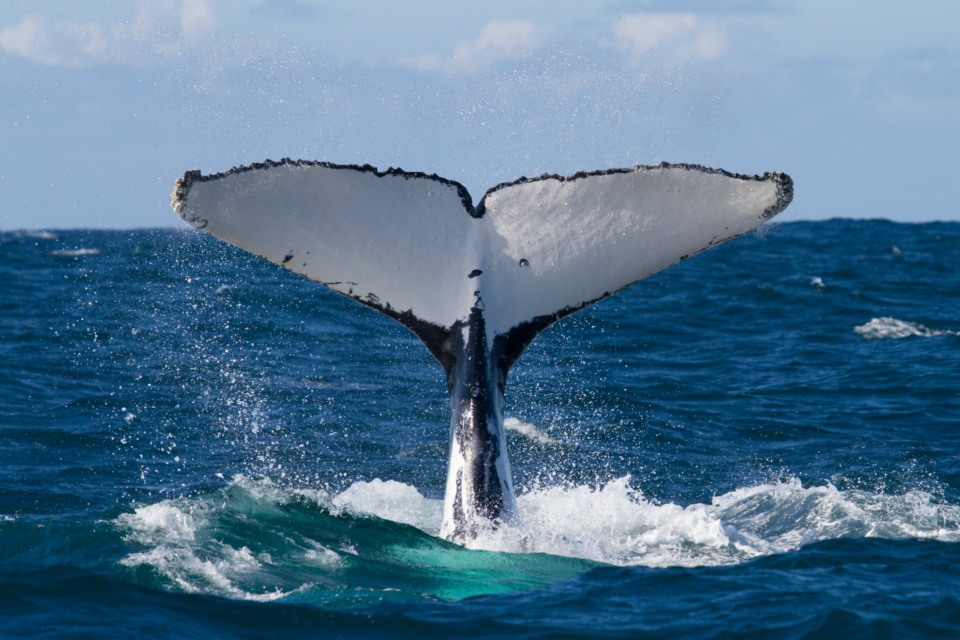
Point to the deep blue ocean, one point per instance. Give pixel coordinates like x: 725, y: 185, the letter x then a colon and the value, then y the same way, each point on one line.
x: 761, y: 442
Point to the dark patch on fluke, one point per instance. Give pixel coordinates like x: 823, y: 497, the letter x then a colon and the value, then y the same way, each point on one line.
x: 474, y: 273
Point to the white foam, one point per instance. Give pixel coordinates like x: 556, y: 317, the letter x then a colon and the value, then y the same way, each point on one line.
x: 321, y: 555
x: 193, y: 575
x: 178, y: 551
x: 615, y: 524
x: 160, y: 523
x: 75, y: 252
x: 394, y: 501
x: 879, y: 328
x: 789, y: 516
x: 528, y: 430
x: 817, y: 282
x: 42, y: 235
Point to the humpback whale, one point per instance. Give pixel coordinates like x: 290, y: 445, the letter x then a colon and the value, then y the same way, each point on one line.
x: 476, y: 283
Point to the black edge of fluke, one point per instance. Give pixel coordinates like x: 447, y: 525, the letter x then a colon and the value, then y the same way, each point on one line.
x: 784, y: 193
x: 783, y: 182
x: 178, y: 198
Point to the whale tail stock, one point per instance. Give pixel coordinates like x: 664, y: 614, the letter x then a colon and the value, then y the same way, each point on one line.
x: 476, y: 283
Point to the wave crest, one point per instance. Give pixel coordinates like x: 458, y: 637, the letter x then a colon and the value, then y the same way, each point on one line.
x: 886, y: 327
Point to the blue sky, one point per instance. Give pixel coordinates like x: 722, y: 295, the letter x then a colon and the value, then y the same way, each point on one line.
x: 105, y: 103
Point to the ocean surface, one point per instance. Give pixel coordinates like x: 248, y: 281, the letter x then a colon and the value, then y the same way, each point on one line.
x: 762, y: 441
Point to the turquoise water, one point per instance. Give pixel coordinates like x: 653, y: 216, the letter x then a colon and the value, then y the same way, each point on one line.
x: 759, y: 441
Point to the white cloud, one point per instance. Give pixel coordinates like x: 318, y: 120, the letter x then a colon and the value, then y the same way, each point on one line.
x: 71, y: 44
x: 163, y: 28
x: 285, y: 10
x: 673, y: 38
x: 498, y: 40
x: 196, y: 19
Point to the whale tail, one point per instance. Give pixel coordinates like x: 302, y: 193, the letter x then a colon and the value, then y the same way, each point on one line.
x: 476, y: 283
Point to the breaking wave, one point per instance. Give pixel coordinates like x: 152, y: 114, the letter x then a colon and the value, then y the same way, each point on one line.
x: 255, y: 540
x: 879, y: 328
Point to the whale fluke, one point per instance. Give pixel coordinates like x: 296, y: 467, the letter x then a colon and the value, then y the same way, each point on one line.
x: 476, y: 283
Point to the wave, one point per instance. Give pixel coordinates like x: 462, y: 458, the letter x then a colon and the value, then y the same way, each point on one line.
x: 254, y: 540
x: 615, y: 524
x: 529, y: 430
x: 75, y: 252
x: 41, y: 235
x: 391, y: 500
x: 879, y: 328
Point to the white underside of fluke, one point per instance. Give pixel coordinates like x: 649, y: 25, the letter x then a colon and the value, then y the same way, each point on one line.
x: 543, y: 245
